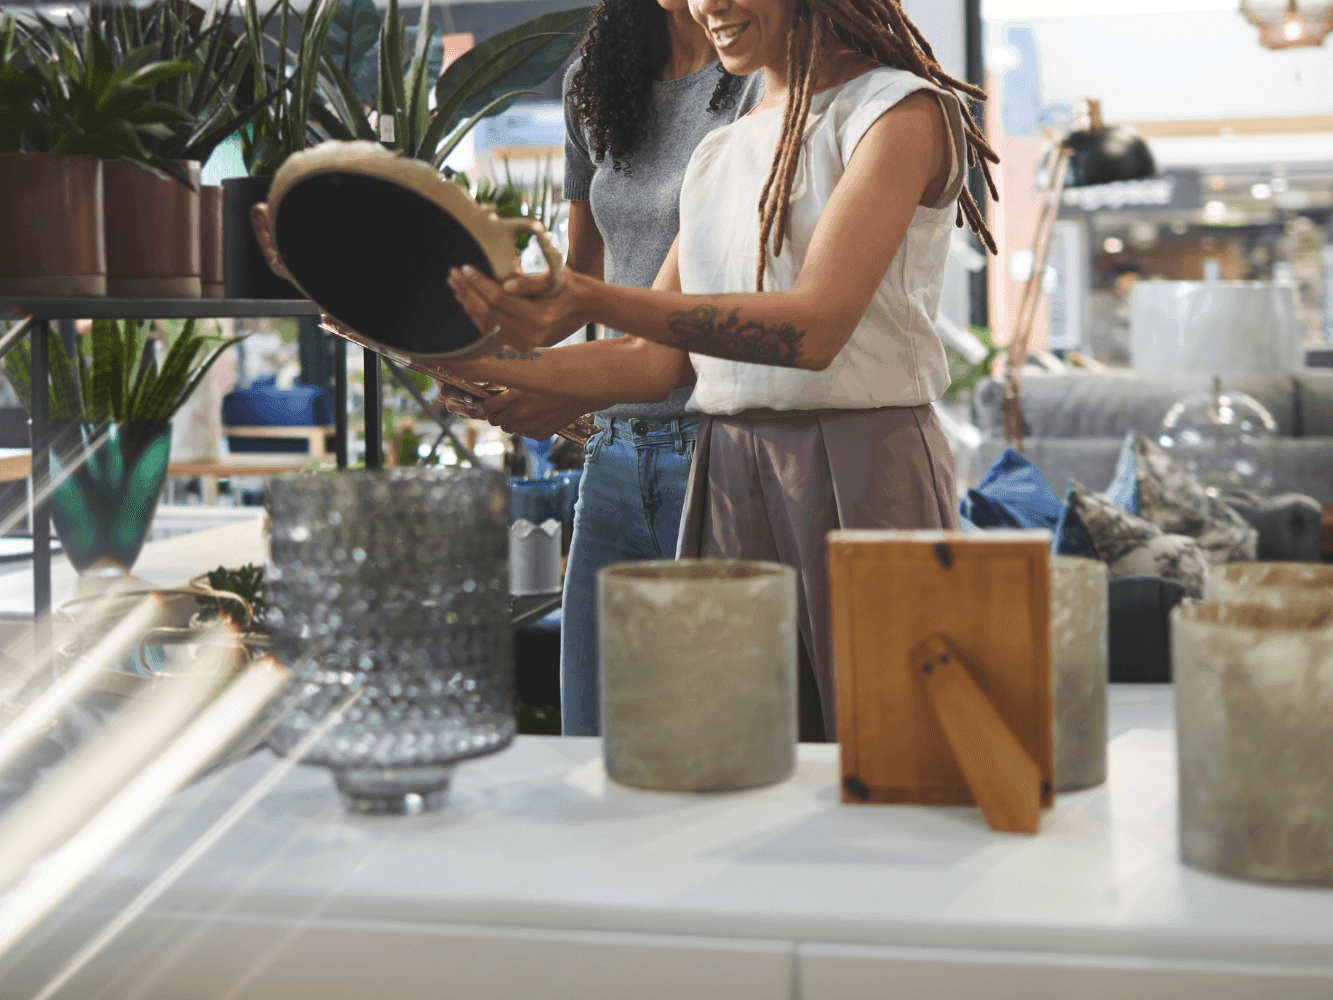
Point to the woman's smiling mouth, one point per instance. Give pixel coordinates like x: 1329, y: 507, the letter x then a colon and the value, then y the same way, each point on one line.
x: 728, y: 33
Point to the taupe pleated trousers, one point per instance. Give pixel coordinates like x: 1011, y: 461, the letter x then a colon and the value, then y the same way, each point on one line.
x: 770, y: 485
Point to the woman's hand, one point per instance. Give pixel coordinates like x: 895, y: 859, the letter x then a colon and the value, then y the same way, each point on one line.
x: 459, y: 403
x: 531, y: 414
x: 524, y: 313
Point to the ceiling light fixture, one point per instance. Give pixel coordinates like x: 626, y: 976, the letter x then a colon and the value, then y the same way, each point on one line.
x: 1288, y: 29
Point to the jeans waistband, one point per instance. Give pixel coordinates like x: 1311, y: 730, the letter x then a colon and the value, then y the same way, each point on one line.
x: 644, y: 432
x: 636, y: 427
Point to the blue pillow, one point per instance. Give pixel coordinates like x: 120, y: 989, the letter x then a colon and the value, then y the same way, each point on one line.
x: 1013, y: 494
x: 1071, y: 535
x: 1124, y: 488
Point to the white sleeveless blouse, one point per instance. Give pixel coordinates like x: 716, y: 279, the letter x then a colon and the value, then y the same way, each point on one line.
x: 894, y: 357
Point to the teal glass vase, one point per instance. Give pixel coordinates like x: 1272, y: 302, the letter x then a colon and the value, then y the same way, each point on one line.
x: 108, y: 480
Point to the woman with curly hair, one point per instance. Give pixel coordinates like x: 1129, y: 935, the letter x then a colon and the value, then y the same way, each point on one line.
x: 647, y: 89
x: 838, y: 193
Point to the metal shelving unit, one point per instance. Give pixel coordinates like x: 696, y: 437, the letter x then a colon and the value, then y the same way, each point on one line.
x: 35, y: 316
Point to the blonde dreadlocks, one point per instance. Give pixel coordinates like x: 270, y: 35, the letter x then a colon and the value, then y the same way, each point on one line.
x: 880, y: 30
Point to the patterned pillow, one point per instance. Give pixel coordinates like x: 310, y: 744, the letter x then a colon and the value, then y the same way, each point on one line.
x: 1148, y: 483
x: 1132, y: 546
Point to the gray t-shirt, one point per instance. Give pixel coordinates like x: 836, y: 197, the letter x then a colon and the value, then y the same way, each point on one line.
x: 637, y: 208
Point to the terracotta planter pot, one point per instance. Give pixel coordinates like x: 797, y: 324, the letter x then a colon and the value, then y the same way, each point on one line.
x: 213, y: 245
x: 152, y: 233
x: 51, y: 225
x: 248, y: 273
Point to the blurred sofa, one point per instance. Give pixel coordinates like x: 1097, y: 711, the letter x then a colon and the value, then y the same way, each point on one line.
x: 1075, y: 423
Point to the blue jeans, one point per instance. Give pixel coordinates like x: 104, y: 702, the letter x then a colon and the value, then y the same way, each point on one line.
x: 634, y: 478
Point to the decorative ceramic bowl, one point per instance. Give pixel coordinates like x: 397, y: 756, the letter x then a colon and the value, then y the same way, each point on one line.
x: 370, y: 236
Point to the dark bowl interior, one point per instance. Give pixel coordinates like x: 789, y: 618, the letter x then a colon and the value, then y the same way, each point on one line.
x: 376, y: 256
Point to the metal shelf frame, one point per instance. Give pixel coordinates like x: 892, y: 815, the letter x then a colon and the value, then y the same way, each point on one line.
x: 36, y: 316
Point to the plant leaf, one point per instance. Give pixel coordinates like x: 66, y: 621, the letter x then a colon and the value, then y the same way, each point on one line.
x: 549, y: 40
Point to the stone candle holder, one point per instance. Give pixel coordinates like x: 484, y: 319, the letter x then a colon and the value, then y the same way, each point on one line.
x: 698, y: 672
x: 1080, y: 667
x: 1273, y: 583
x: 1254, y: 720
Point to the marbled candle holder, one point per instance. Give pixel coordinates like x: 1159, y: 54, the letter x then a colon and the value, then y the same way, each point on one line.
x: 394, y: 582
x: 1080, y: 668
x: 698, y: 671
x: 1254, y: 721
x: 1276, y: 584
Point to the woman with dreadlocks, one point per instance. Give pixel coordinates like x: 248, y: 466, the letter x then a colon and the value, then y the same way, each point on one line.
x: 799, y: 299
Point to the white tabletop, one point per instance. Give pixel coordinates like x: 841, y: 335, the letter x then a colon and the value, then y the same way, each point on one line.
x: 541, y: 878
x: 237, y: 540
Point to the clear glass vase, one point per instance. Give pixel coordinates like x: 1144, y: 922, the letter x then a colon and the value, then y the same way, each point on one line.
x: 1254, y: 721
x: 395, y: 581
x: 698, y: 672
x: 1080, y: 670
x: 1274, y: 583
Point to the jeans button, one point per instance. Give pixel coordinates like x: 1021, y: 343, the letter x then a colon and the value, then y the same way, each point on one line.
x: 639, y: 427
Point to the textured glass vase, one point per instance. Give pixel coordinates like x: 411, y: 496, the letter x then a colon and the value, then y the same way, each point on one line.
x: 1080, y: 668
x: 110, y: 477
x: 1254, y: 721
x: 698, y: 672
x: 395, y: 580
x: 1274, y: 583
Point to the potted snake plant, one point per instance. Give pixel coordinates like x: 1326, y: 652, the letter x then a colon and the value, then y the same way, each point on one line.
x: 285, y: 78
x: 111, y: 410
x: 64, y: 109
x: 164, y: 240
x: 484, y: 81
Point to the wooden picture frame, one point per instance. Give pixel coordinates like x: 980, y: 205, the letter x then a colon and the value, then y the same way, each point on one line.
x: 942, y: 653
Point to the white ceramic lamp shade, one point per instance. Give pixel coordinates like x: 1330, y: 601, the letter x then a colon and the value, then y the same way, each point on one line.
x: 698, y: 673
x: 1234, y: 329
x: 1080, y: 667
x: 1254, y: 721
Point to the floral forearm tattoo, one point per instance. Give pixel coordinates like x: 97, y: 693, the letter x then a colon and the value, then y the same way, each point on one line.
x: 509, y: 354
x: 704, y: 331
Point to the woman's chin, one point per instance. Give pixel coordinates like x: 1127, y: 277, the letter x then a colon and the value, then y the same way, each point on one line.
x: 739, y: 65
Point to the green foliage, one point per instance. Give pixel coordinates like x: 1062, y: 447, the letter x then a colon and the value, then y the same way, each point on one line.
x: 210, y: 92
x: 511, y: 201
x: 119, y: 379
x: 965, y: 374
x: 484, y: 81
x: 285, y: 125
x: 246, y: 583
x: 353, y: 47
x: 87, y: 101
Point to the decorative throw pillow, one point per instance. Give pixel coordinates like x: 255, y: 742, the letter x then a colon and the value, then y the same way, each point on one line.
x: 1012, y: 494
x: 1148, y: 483
x: 1130, y: 545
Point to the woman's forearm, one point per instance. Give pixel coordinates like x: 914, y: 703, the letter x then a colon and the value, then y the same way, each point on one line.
x: 801, y: 328
x: 601, y: 373
x: 786, y: 329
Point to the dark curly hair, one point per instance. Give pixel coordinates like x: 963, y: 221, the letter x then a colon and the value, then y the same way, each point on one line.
x: 625, y: 51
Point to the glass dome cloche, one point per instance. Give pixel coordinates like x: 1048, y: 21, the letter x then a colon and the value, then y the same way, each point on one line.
x: 1223, y: 438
